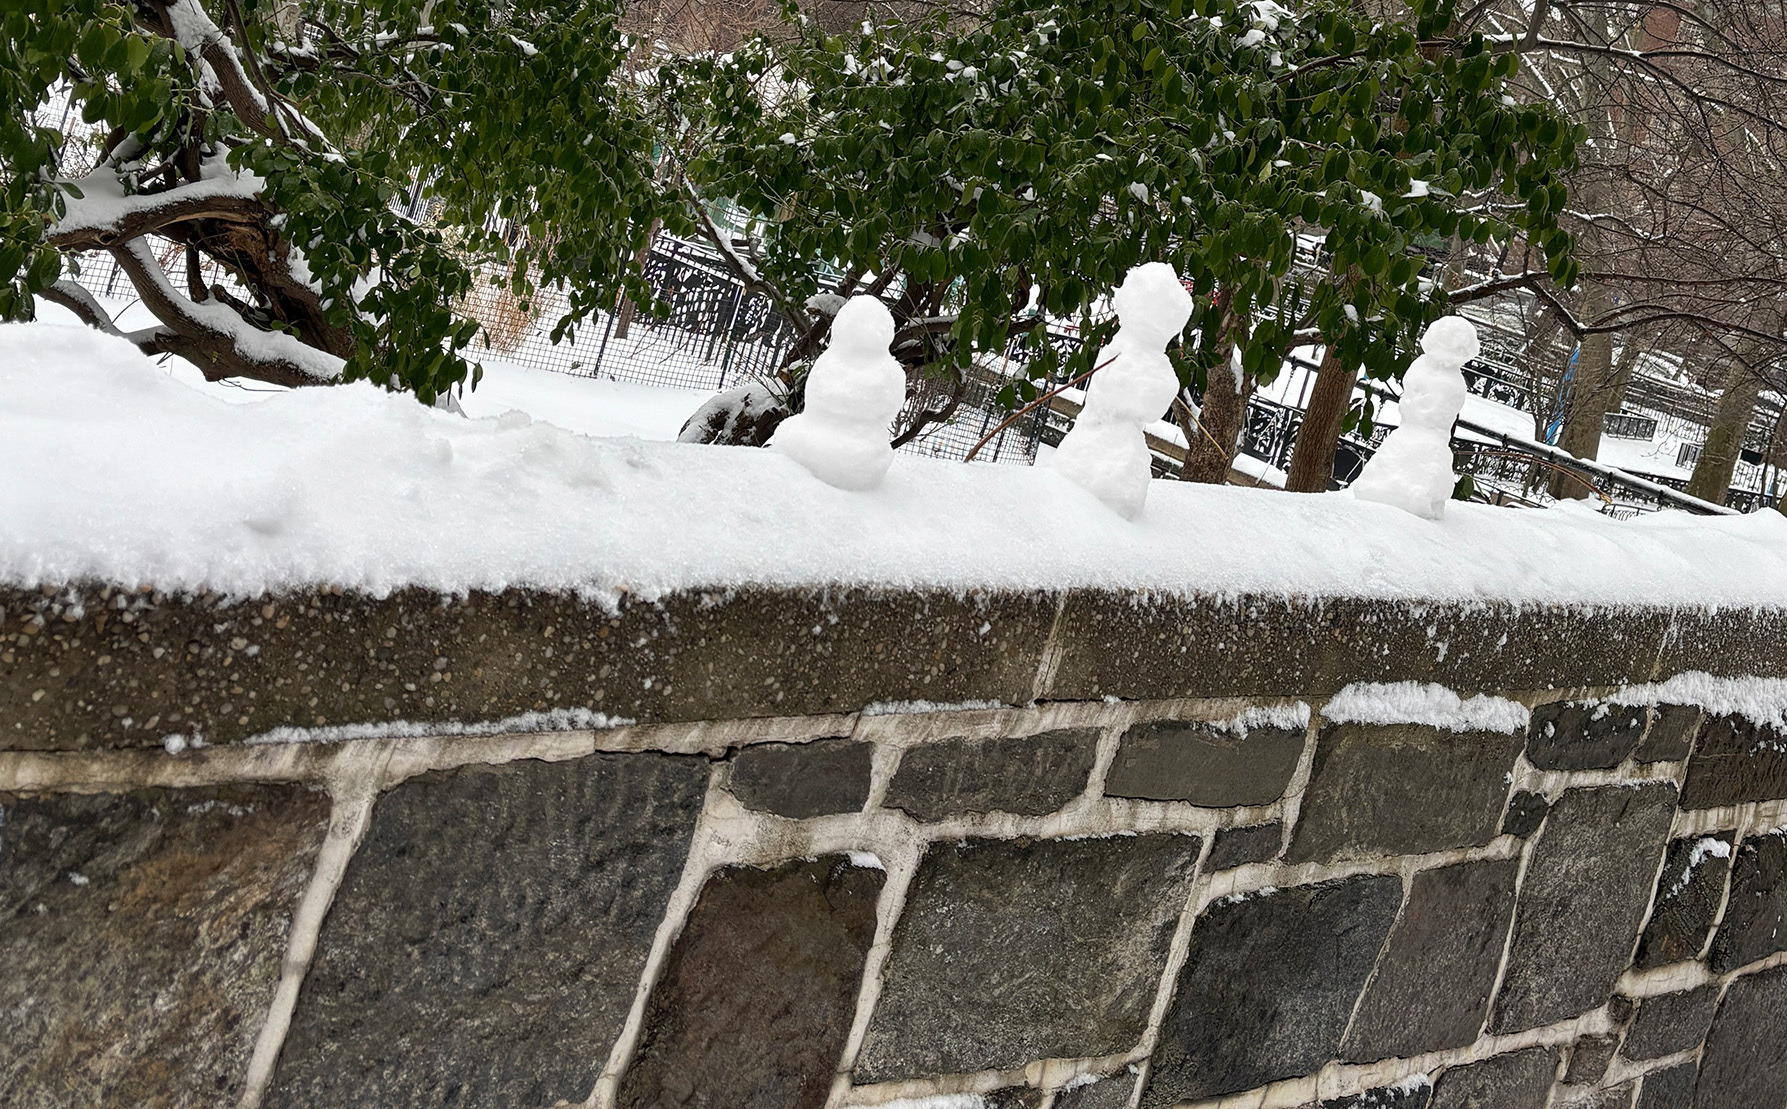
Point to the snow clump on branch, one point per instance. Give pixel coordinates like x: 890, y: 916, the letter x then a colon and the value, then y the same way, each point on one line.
x: 1413, y: 469
x: 854, y: 392
x: 1107, y: 451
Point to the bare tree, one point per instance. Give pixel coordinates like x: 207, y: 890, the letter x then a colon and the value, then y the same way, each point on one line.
x: 1677, y: 204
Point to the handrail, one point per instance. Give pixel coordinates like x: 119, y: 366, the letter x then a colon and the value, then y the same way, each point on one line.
x: 1563, y: 459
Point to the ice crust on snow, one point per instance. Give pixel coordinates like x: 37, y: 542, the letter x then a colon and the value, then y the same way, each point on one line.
x: 1759, y: 700
x: 1424, y: 703
x: 1291, y: 717
x: 110, y: 469
x: 896, y: 708
x: 552, y: 720
x: 1413, y: 469
x: 854, y: 392
x: 1106, y: 452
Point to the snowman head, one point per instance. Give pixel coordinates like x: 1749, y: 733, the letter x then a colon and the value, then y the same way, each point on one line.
x: 1451, y: 339
x: 864, y: 328
x: 1152, y: 304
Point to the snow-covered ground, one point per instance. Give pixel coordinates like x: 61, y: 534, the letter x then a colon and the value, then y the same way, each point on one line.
x: 111, y: 468
x: 593, y: 406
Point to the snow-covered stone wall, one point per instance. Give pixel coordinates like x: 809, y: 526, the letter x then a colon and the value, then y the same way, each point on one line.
x: 804, y: 848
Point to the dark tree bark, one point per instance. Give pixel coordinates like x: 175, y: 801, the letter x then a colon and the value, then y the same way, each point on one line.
x: 1588, y: 396
x: 1211, y: 439
x: 1312, y: 461
x: 1717, y: 464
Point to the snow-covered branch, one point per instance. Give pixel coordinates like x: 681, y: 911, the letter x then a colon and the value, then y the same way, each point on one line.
x: 215, y: 337
x: 104, y: 215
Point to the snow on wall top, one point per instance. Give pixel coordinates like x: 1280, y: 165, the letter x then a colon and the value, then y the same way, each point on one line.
x: 111, y: 470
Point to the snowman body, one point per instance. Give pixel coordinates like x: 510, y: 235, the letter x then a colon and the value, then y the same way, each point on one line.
x: 1106, y: 451
x: 854, y: 392
x: 1413, y: 468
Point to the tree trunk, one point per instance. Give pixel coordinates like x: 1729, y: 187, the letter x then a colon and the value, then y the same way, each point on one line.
x: 1725, y: 438
x: 1777, y: 461
x: 1211, y: 440
x: 1312, y: 462
x: 1588, y: 395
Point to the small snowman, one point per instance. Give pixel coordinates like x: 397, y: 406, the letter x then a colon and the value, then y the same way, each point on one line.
x: 1413, y: 469
x: 1106, y: 452
x: 854, y: 392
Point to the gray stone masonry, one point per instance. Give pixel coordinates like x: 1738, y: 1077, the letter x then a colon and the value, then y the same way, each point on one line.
x: 1433, y: 983
x: 1590, y: 735
x: 1755, y: 924
x: 833, y: 849
x: 1402, y: 790
x: 1308, y: 952
x: 755, y: 999
x: 488, y: 937
x: 1013, y: 950
x: 1736, y: 760
x: 1670, y: 1023
x: 1587, y: 888
x: 1669, y: 1088
x: 1690, y: 891
x: 1030, y: 775
x: 140, y: 939
x: 1257, y: 843
x: 803, y: 779
x: 1208, y: 765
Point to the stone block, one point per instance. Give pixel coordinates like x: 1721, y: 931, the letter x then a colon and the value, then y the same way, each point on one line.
x: 1268, y: 986
x: 1584, y: 896
x: 1671, y: 1022
x: 1735, y: 760
x: 1670, y: 736
x: 1014, y: 1097
x: 488, y: 936
x: 1755, y: 922
x: 125, y: 669
x: 1029, y: 775
x: 1433, y: 984
x: 1589, y: 1059
x: 1742, y: 1065
x: 1526, y: 811
x: 1725, y: 642
x: 803, y: 779
x: 1110, y: 1091
x: 1402, y: 789
x: 1516, y: 1080
x: 142, y: 939
x: 767, y: 651
x: 1159, y: 647
x: 1205, y: 764
x: 1257, y: 843
x: 754, y: 1002
x: 1689, y: 892
x: 1583, y: 735
x: 1670, y: 1088
x: 1010, y: 951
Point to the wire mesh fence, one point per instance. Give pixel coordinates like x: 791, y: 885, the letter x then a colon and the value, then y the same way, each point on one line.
x: 713, y: 332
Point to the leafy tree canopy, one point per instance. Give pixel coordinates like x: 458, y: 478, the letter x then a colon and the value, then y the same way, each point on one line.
x: 274, y: 136
x: 986, y: 173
